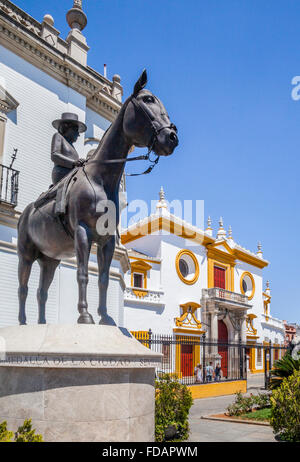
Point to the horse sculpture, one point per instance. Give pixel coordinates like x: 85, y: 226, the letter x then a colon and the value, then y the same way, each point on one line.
x: 142, y: 122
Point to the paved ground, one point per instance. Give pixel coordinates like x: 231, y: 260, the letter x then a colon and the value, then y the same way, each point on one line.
x: 255, y: 382
x: 214, y: 431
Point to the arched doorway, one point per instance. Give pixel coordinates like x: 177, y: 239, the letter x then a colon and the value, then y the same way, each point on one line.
x: 223, y: 348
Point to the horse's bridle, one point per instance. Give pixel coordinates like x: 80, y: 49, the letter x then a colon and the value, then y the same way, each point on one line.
x: 155, y: 131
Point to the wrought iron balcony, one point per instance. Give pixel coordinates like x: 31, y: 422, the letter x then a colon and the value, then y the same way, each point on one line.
x: 226, y: 297
x: 9, y: 185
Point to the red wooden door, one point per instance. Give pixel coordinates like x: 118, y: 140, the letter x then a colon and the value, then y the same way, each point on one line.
x: 219, y: 277
x: 223, y: 349
x: 187, y: 360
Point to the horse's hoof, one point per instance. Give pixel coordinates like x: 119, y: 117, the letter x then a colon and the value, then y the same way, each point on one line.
x: 42, y: 321
x: 107, y: 321
x: 85, y: 318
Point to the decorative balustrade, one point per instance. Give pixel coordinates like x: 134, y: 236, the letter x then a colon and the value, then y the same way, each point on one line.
x: 274, y: 322
x: 144, y: 295
x: 225, y: 295
x: 9, y: 185
x: 20, y: 16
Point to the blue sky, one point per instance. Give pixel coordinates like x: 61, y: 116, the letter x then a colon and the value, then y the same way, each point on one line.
x: 223, y: 69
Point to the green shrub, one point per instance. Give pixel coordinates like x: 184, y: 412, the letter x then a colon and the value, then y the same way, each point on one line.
x: 285, y: 408
x: 172, y: 405
x: 261, y: 401
x: 245, y: 404
x: 5, y: 435
x: 283, y: 368
x: 24, y: 434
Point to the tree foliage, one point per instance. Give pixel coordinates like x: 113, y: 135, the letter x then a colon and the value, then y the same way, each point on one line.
x: 285, y: 410
x: 283, y: 368
x: 24, y: 434
x: 172, y: 405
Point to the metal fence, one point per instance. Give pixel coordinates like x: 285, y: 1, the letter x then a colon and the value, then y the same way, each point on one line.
x: 184, y: 356
x: 9, y: 185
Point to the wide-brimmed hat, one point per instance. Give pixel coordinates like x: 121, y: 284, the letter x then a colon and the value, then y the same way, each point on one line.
x: 72, y: 118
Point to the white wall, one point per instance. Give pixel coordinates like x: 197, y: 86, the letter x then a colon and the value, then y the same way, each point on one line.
x: 97, y: 125
x: 9, y: 293
x: 42, y: 99
x: 140, y: 316
x: 63, y: 294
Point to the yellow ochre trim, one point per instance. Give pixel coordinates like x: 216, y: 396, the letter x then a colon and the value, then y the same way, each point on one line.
x: 140, y: 293
x: 195, y: 261
x: 139, y: 267
x: 188, y: 318
x: 187, y: 232
x: 218, y: 389
x: 229, y: 274
x: 166, y: 224
x: 246, y: 273
x: 182, y: 330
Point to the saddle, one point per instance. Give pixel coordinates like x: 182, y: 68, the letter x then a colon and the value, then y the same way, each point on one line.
x: 58, y: 192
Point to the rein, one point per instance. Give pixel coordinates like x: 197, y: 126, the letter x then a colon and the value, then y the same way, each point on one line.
x: 143, y: 157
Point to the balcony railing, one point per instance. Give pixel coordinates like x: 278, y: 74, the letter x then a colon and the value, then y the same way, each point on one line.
x: 144, y: 295
x: 9, y: 185
x: 225, y: 295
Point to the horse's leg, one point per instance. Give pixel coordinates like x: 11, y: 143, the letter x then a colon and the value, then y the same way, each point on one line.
x: 47, y: 267
x: 83, y: 247
x: 24, y: 270
x: 104, y: 255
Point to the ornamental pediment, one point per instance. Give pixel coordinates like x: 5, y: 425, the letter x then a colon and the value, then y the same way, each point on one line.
x: 188, y: 318
x: 222, y: 247
x: 7, y: 102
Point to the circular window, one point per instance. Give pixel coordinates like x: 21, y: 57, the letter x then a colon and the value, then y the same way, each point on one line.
x: 247, y: 285
x: 187, y: 266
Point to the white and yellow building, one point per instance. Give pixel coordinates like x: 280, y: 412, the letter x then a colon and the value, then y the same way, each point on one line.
x: 182, y: 281
x: 186, y: 282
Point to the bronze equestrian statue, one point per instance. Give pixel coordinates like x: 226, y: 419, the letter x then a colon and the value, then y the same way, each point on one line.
x: 142, y: 122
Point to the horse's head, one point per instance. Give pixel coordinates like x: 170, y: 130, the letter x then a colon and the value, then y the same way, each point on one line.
x: 146, y: 121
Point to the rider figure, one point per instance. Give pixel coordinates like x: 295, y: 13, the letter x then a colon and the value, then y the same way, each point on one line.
x: 63, y: 153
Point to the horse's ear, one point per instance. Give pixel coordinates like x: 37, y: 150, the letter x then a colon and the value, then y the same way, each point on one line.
x: 141, y: 83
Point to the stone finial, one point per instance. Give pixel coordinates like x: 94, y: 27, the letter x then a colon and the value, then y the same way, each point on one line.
x: 268, y: 290
x: 116, y: 78
x: 209, y: 229
x: 259, y: 250
x: 161, y: 204
x: 48, y: 19
x: 76, y: 18
x: 221, y: 231
x: 161, y: 194
x: 48, y: 32
x: 230, y: 233
x: 117, y: 90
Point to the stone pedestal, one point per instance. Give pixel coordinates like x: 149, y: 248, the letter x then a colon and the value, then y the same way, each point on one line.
x: 78, y: 382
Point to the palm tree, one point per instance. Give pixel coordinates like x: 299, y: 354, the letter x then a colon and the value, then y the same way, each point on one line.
x: 283, y: 368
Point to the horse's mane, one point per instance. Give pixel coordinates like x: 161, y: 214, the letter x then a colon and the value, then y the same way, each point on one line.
x: 121, y: 113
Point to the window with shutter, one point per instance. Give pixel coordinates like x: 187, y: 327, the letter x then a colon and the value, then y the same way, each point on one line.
x: 219, y: 277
